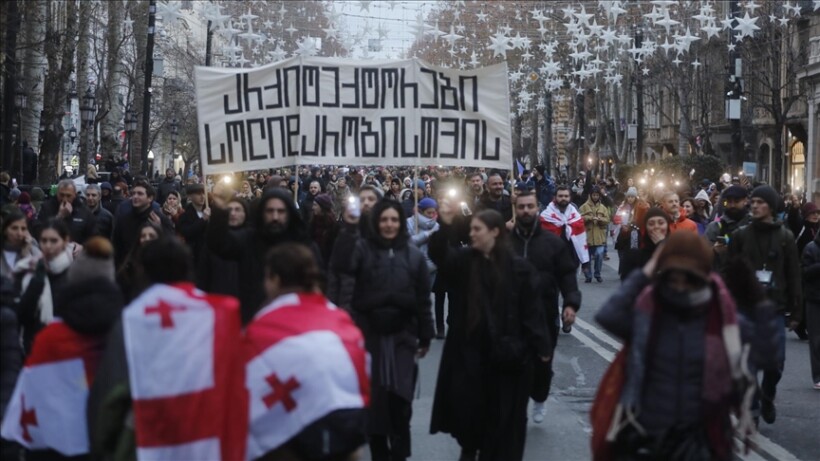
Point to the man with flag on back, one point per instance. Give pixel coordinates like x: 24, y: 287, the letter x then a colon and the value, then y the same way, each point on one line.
x: 564, y: 220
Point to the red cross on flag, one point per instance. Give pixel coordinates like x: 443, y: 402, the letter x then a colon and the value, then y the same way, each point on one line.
x: 304, y: 359
x: 186, y: 384
x: 47, y: 409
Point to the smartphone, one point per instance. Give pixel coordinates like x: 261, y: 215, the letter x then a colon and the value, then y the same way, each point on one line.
x: 354, y: 207
x: 465, y: 210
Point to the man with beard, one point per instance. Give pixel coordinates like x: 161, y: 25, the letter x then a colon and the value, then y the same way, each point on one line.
x: 670, y: 202
x: 275, y: 221
x: 495, y: 199
x: 563, y: 219
x: 306, y: 205
x: 556, y: 268
x: 476, y: 188
x: 168, y: 184
x: 105, y: 220
x: 735, y: 216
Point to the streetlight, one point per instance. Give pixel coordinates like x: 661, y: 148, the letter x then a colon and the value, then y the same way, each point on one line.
x: 88, y: 111
x: 130, y: 126
x: 174, y: 135
x: 20, y: 100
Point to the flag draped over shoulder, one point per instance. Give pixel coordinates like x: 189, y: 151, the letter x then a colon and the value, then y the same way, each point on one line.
x: 304, y: 359
x: 569, y: 225
x: 48, y: 407
x: 186, y: 384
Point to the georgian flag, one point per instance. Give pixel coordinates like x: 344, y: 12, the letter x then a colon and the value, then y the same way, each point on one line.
x: 186, y: 384
x: 571, y: 223
x: 47, y: 408
x: 304, y: 359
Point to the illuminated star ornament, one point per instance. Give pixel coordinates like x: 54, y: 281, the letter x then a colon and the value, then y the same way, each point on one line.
x: 746, y: 26
x: 499, y: 44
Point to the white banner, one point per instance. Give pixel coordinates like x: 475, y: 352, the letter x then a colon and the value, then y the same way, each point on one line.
x: 332, y: 111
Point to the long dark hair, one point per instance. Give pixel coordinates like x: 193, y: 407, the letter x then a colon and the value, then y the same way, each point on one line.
x: 375, y: 214
x: 487, y: 286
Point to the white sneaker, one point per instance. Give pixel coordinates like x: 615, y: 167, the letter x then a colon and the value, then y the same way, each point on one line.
x: 817, y: 386
x: 539, y: 410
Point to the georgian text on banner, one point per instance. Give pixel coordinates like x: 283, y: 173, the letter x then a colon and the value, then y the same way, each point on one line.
x: 342, y: 112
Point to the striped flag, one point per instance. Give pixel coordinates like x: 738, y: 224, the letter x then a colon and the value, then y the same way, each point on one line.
x: 47, y: 408
x: 181, y: 345
x: 304, y: 359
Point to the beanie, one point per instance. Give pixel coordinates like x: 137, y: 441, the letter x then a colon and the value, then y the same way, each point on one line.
x: 655, y: 212
x: 426, y: 203
x: 768, y: 195
x: 324, y: 202
x: 25, y: 199
x: 106, y: 185
x: 807, y: 209
x: 14, y: 194
x: 37, y: 194
x: 734, y: 192
x: 95, y: 261
x: 632, y: 192
x: 686, y: 251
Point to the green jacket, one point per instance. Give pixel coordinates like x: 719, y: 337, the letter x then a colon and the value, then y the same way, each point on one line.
x: 596, y: 231
x: 771, y: 246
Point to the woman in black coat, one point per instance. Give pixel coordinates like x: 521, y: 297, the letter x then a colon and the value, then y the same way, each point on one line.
x: 496, y: 332
x: 391, y: 305
x: 654, y: 230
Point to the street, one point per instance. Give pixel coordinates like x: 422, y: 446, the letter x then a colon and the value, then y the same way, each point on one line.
x: 581, y: 359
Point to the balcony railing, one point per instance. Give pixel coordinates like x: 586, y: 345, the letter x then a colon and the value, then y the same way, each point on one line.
x: 814, y: 50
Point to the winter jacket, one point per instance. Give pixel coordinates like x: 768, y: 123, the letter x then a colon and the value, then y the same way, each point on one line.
x: 811, y: 270
x: 127, y: 222
x: 192, y: 228
x: 503, y: 205
x: 553, y: 261
x: 723, y: 229
x: 11, y: 353
x: 772, y: 246
x: 420, y: 238
x: 166, y: 187
x: 105, y: 222
x: 81, y: 222
x: 683, y: 224
x: 596, y: 231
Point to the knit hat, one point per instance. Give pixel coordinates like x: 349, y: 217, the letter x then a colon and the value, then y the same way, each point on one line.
x: 632, y: 192
x: 655, y: 212
x: 768, y: 195
x: 95, y: 261
x: 37, y: 194
x: 734, y: 192
x: 25, y: 199
x: 14, y: 194
x: 324, y: 201
x: 807, y: 209
x: 106, y: 185
x: 426, y: 203
x: 688, y: 252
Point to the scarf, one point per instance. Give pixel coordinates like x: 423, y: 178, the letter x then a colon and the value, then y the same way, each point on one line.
x: 56, y: 266
x: 569, y: 225
x: 724, y: 365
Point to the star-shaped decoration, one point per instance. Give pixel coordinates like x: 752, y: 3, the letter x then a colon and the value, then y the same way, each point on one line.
x: 746, y: 26
x: 696, y: 64
x: 676, y: 61
x: 499, y: 44
x: 452, y: 37
x: 482, y: 16
x: 645, y: 71
x: 608, y: 36
x: 169, y: 11
x: 516, y: 76
x: 550, y: 67
x: 129, y: 23
x: 364, y: 5
x: 731, y: 46
x: 308, y: 46
x: 751, y: 6
x: 784, y: 21
x: 248, y: 16
x: 711, y: 30
x: 474, y: 60
x: 291, y: 30
x: 583, y: 16
x: 686, y: 40
x: 727, y: 22
x: 331, y: 32
x: 282, y: 10
x: 267, y: 23
x: 526, y: 56
x: 667, y: 22
x: 654, y: 15
x: 615, y: 11
x: 278, y: 54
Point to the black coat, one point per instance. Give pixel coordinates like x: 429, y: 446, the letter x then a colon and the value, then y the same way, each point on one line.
x: 11, y: 353
x: 192, y: 228
x: 127, y: 222
x: 82, y: 224
x: 220, y: 275
x: 249, y: 247
x: 166, y: 187
x: 503, y: 206
x: 480, y: 405
x: 556, y: 266
x: 105, y: 222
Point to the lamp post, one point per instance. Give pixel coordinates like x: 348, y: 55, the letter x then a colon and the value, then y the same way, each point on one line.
x: 149, y: 71
x: 88, y: 111
x: 130, y: 127
x: 174, y: 135
x: 20, y: 101
x: 72, y: 135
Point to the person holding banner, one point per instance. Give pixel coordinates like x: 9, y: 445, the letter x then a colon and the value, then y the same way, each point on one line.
x: 391, y: 304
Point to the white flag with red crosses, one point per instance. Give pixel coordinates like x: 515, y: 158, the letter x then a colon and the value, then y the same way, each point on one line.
x: 47, y: 408
x: 304, y: 359
x: 186, y: 384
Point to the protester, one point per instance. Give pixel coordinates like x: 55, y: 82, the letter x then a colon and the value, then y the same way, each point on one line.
x: 68, y: 207
x: 172, y: 207
x: 40, y: 278
x: 130, y: 217
x: 675, y: 314
x: 655, y: 228
x: 596, y: 222
x: 300, y: 337
x: 323, y: 226
x: 494, y: 198
x: 220, y: 275
x: 563, y: 219
x: 104, y: 218
x: 192, y: 224
x: 421, y: 227
x: 11, y: 359
x: 690, y: 207
x: 168, y: 184
x: 24, y: 203
x: 557, y: 269
x: 629, y: 217
x: 770, y: 250
x: 391, y: 305
x: 811, y: 274
x: 275, y: 221
x: 670, y: 203
x: 497, y: 330
x: 735, y: 216
x: 306, y: 205
x: 128, y: 275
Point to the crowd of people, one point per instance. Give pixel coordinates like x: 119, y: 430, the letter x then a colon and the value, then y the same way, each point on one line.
x: 711, y: 278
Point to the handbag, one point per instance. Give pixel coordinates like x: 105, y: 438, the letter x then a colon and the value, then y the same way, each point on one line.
x: 604, y: 406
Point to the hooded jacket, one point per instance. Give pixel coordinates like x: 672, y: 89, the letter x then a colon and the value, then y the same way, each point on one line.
x: 249, y: 246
